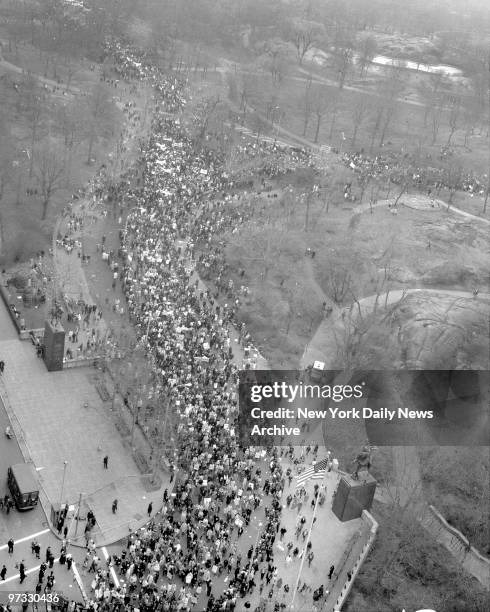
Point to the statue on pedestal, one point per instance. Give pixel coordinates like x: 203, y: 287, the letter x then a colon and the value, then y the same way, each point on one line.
x: 362, y: 461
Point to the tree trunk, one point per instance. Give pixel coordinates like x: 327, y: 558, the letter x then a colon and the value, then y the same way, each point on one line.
x: 435, y: 129
x: 375, y: 130
x: 305, y: 124
x: 90, y: 147
x: 332, y: 123
x: 402, y: 191
x: 45, y: 208
x: 385, y: 127
x: 354, y: 136
x: 31, y: 161
x: 451, y: 134
x: 317, y: 129
x: 307, y: 212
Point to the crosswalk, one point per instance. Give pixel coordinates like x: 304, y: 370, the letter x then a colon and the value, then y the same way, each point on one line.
x: 33, y: 536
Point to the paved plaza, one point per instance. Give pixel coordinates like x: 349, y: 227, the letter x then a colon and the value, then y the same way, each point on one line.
x: 62, y: 418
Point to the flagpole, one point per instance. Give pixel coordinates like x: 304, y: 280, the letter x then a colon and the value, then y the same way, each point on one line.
x: 306, y: 547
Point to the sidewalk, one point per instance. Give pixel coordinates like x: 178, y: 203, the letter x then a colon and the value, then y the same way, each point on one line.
x: 51, y: 418
x: 329, y: 538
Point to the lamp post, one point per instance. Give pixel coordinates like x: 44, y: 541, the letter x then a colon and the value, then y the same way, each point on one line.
x: 77, y: 519
x: 136, y: 413
x: 296, y: 586
x: 65, y: 463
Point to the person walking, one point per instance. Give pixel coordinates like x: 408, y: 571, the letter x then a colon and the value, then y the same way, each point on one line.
x: 22, y: 571
x: 36, y: 549
x: 310, y: 557
x: 114, y: 506
x: 42, y: 570
x: 3, y: 572
x: 10, y: 545
x: 69, y: 561
x: 50, y: 582
x: 331, y: 571
x: 106, y: 462
x: 150, y: 508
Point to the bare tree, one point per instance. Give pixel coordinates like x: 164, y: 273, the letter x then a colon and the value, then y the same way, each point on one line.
x: 453, y: 173
x: 304, y: 35
x: 49, y: 170
x: 276, y: 59
x: 342, y: 64
x: 392, y: 89
x: 432, y: 92
x: 338, y: 269
x: 71, y: 124
x: 307, y: 106
x: 99, y: 112
x: 7, y: 153
x: 247, y: 89
x: 335, y: 104
x: 367, y: 53
x: 454, y: 116
x: 320, y: 103
x: 365, y: 337
x: 360, y: 113
x: 32, y: 104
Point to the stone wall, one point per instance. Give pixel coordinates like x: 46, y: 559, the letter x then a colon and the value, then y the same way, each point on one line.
x: 351, y: 563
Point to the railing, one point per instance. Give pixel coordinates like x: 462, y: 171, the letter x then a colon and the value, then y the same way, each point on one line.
x: 460, y: 546
x: 351, y: 563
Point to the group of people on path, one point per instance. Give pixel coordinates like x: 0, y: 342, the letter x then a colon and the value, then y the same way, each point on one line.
x: 191, y: 556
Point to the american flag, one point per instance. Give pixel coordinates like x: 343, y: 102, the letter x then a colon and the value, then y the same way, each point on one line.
x: 316, y: 471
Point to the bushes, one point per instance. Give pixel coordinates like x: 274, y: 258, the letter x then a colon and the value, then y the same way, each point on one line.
x: 19, y: 282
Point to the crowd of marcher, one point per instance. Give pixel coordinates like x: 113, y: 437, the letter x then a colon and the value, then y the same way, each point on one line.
x: 189, y: 556
x: 399, y: 168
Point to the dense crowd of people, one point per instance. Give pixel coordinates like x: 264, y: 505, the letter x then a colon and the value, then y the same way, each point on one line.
x: 189, y: 556
x: 399, y: 168
x: 182, y: 198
